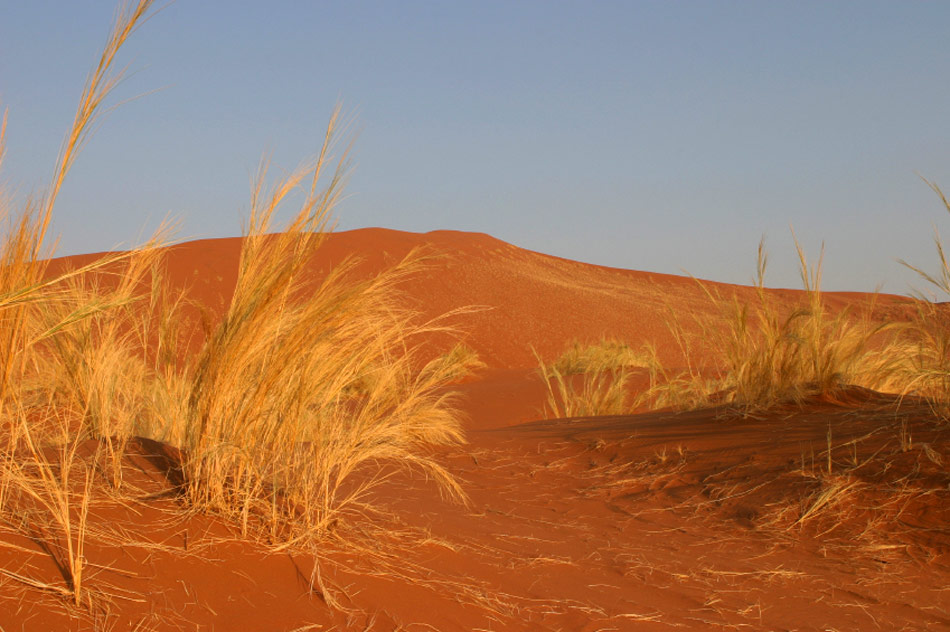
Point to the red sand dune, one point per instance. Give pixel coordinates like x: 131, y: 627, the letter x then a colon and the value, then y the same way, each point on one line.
x: 532, y: 299
x: 660, y: 521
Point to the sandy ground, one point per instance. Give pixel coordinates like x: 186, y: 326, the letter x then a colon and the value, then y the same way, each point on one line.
x: 699, y: 520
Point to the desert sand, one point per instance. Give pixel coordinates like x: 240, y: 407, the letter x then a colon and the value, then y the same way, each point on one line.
x: 830, y: 515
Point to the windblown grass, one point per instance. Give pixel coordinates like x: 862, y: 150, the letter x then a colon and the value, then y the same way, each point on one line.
x: 35, y: 309
x: 297, y: 390
x: 930, y: 333
x: 40, y: 497
x: 105, y: 368
x: 758, y: 352
x: 299, y: 398
x: 769, y: 353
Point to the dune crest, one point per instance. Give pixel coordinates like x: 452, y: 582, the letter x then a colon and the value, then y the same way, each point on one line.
x: 532, y: 300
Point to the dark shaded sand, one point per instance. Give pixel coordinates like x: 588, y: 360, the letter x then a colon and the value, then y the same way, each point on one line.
x: 659, y: 521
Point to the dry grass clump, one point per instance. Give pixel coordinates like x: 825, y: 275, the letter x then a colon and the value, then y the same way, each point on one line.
x: 929, y: 376
x: 595, y: 379
x: 590, y: 380
x: 38, y: 446
x: 298, y: 401
x: 297, y: 390
x: 41, y: 498
x: 109, y: 369
x: 462, y: 361
x: 606, y: 354
x: 759, y: 353
x: 768, y: 353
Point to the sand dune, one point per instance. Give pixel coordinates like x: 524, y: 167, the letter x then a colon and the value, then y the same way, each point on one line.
x: 697, y: 520
x: 531, y: 300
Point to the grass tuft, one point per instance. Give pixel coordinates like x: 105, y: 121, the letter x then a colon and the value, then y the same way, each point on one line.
x: 295, y: 404
x: 769, y: 353
x: 298, y: 390
x: 591, y: 380
x: 929, y: 348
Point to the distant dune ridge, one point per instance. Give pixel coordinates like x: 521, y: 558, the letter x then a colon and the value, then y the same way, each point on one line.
x: 532, y: 300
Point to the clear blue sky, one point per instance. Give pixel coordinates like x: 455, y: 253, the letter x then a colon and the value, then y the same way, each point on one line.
x: 649, y: 135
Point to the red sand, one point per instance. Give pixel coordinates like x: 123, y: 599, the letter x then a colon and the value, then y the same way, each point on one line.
x: 658, y: 521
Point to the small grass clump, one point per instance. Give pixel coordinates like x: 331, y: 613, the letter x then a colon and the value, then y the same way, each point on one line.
x: 590, y: 380
x: 596, y: 379
x: 606, y: 354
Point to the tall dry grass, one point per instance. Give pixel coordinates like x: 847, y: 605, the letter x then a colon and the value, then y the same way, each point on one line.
x: 770, y: 352
x: 298, y: 390
x: 38, y: 451
x: 300, y: 399
x: 757, y: 352
x: 41, y: 498
x: 109, y: 367
x: 929, y: 375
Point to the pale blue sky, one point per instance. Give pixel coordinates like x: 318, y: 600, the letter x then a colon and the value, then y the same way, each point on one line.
x: 656, y: 135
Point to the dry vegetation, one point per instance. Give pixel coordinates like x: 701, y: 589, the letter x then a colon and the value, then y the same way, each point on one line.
x: 930, y: 371
x: 294, y: 391
x: 770, y: 354
x: 591, y: 380
x: 763, y: 352
x: 291, y: 393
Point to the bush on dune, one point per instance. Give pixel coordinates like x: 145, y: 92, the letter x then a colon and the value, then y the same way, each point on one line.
x: 590, y: 380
